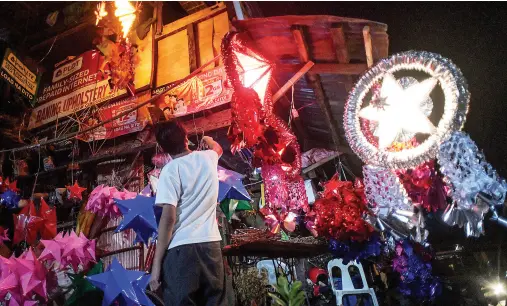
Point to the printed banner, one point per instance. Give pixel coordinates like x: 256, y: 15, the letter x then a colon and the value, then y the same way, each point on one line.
x: 18, y: 75
x: 133, y: 122
x: 204, y: 91
x: 75, y: 85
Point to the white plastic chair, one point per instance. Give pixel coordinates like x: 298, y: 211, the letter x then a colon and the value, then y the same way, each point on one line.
x: 347, y: 285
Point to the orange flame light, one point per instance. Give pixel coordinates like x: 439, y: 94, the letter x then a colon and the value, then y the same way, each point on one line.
x: 125, y: 12
x: 100, y: 12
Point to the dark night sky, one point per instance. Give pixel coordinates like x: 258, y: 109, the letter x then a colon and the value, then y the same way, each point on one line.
x: 472, y: 34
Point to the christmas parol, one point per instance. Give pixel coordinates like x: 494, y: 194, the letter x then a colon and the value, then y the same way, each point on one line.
x: 392, y: 96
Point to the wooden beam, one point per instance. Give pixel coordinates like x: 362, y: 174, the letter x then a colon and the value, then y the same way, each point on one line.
x: 292, y: 81
x: 208, y: 123
x: 192, y: 47
x: 340, y: 44
x: 367, y: 46
x: 303, y: 49
x: 331, y: 68
x: 314, y: 82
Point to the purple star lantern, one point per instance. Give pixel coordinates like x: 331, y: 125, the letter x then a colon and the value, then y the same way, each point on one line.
x: 122, y: 286
x: 230, y: 186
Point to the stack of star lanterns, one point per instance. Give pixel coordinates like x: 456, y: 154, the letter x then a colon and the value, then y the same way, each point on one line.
x: 390, y: 121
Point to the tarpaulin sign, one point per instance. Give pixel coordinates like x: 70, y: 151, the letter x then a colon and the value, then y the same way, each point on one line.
x: 25, y: 81
x: 132, y: 122
x: 75, y: 86
x: 204, y: 91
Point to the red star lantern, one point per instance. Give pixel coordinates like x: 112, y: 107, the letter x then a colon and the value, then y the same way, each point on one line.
x: 48, y: 214
x: 27, y: 224
x: 13, y: 186
x: 75, y: 191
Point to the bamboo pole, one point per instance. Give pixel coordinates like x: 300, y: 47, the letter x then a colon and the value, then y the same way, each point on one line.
x: 367, y: 46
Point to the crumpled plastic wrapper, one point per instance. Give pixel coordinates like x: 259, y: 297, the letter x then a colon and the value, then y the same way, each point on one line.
x: 468, y: 174
x: 389, y: 201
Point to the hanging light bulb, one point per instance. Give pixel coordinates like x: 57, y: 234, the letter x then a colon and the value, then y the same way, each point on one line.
x: 125, y: 12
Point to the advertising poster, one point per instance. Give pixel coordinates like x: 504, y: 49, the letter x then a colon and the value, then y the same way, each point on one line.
x: 75, y: 85
x: 204, y: 91
x: 25, y: 81
x: 132, y: 122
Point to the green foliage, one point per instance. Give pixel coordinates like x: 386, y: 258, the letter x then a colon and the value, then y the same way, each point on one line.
x: 287, y: 295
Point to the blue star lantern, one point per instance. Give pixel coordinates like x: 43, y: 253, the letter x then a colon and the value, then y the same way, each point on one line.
x: 122, y: 286
x: 10, y: 199
x: 139, y: 215
x: 230, y: 186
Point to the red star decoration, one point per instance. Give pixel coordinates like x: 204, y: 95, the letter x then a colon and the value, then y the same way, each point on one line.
x: 48, y: 214
x: 75, y: 191
x: 27, y: 224
x: 13, y: 186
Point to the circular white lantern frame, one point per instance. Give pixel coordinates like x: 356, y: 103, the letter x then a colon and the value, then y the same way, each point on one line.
x: 456, y: 96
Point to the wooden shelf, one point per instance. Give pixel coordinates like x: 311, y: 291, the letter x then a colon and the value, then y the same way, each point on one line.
x: 276, y: 249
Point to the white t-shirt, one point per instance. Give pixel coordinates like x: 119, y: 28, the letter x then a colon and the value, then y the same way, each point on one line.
x: 190, y: 183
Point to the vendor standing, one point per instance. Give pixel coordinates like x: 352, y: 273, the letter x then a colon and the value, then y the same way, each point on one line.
x: 188, y: 259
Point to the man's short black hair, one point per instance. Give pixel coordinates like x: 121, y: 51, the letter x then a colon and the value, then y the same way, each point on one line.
x: 171, y: 136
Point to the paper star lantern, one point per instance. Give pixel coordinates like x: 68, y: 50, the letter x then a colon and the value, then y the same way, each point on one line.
x: 10, y: 199
x: 27, y: 224
x: 52, y: 251
x: 76, y: 250
x: 230, y: 206
x: 13, y: 186
x: 75, y: 192
x: 82, y: 287
x: 117, y: 283
x: 401, y: 110
x: 139, y: 215
x: 32, y: 274
x: 48, y: 214
x: 230, y: 186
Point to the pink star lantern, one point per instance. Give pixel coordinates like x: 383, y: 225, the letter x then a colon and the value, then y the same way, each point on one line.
x: 32, y: 274
x: 75, y: 250
x: 101, y: 202
x: 75, y: 192
x: 52, y: 251
x: 8, y: 278
x: 89, y: 250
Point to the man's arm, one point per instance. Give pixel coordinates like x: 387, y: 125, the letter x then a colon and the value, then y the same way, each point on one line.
x: 213, y: 145
x: 165, y: 232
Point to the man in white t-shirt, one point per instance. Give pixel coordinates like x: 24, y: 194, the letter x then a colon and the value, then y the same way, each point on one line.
x: 188, y: 254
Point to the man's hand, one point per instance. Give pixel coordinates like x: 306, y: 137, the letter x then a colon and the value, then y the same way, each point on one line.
x: 154, y: 281
x: 213, y: 145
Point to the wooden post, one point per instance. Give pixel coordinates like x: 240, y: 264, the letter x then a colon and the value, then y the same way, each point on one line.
x: 192, y: 47
x: 292, y: 81
x: 314, y: 81
x: 367, y: 46
x: 340, y: 44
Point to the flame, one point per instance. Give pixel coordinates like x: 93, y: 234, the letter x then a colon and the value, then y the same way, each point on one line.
x: 100, y: 12
x: 126, y: 14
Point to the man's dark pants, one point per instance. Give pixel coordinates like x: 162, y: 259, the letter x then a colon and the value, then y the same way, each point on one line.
x: 193, y: 274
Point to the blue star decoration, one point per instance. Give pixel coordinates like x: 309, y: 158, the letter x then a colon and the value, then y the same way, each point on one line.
x: 139, y: 215
x: 122, y: 286
x: 10, y: 199
x: 230, y: 186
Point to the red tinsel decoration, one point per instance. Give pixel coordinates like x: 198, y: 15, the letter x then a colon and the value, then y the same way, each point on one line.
x: 339, y: 214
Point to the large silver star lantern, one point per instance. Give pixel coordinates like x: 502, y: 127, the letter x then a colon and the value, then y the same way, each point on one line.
x: 401, y: 110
